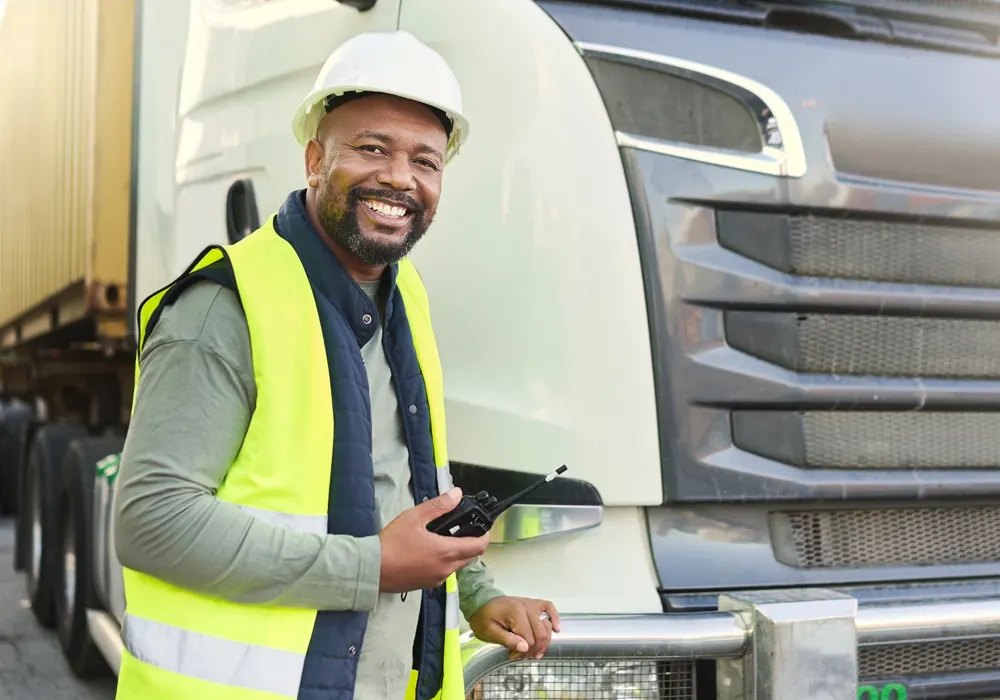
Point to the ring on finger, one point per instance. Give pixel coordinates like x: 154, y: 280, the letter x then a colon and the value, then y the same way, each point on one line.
x: 544, y: 616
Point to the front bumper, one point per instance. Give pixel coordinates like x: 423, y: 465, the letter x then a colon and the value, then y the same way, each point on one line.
x: 798, y: 644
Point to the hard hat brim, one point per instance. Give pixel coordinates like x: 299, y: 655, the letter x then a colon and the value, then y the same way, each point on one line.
x: 305, y: 122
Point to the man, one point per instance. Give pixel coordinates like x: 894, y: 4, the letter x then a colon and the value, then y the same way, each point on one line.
x: 288, y: 447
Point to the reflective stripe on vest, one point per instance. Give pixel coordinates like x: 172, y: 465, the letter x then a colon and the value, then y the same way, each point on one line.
x: 213, y: 659
x: 444, y: 479
x: 173, y: 637
x: 314, y: 524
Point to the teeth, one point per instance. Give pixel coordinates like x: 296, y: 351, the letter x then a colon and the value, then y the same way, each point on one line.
x: 385, y: 209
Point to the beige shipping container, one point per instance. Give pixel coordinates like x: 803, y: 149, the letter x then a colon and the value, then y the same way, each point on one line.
x: 65, y: 135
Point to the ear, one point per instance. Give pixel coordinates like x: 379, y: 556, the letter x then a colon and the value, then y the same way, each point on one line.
x: 314, y: 162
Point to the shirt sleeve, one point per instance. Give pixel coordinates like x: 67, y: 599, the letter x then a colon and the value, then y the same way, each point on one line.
x: 194, y: 401
x: 475, y: 587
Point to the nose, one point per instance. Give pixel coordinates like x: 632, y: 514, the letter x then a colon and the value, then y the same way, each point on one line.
x: 397, y: 173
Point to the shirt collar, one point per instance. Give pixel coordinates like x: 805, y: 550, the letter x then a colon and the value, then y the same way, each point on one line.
x: 326, y: 273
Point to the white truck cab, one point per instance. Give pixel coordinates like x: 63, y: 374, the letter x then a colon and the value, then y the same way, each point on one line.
x: 535, y: 224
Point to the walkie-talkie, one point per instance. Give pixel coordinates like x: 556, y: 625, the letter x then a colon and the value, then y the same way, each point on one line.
x: 474, y: 515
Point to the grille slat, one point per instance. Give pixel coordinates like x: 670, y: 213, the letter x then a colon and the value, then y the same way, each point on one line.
x: 869, y: 345
x: 887, y: 537
x: 865, y: 249
x: 582, y: 679
x: 895, y: 252
x: 871, y: 439
x: 904, y: 660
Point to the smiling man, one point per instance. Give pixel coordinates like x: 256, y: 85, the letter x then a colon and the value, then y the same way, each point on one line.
x: 288, y: 443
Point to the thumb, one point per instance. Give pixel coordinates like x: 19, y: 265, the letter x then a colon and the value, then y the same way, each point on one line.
x: 442, y: 504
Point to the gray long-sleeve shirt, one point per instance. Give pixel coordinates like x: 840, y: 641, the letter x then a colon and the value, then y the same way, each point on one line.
x: 194, y: 402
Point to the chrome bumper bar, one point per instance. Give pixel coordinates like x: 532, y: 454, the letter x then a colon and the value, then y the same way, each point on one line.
x: 773, y: 645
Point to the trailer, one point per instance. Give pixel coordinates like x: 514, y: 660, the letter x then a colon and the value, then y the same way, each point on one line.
x: 736, y: 263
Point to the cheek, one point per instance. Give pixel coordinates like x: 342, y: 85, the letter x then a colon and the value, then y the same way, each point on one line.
x: 430, y: 194
x: 340, y: 176
x: 332, y: 195
x: 343, y: 179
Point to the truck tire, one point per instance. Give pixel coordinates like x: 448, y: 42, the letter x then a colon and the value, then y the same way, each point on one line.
x: 42, y: 480
x: 74, y: 590
x: 13, y: 424
x: 22, y: 528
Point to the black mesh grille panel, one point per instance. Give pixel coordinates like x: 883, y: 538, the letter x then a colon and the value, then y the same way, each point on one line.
x: 651, y: 103
x: 895, y: 252
x: 884, y: 251
x: 869, y: 345
x: 887, y: 537
x: 904, y: 660
x: 582, y: 679
x: 872, y: 439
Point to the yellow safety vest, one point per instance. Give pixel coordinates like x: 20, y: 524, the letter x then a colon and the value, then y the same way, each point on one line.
x: 183, y: 645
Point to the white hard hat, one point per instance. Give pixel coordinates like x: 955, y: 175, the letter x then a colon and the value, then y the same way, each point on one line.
x: 394, y: 63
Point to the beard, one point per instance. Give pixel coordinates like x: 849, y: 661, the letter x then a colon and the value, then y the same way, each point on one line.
x: 343, y: 227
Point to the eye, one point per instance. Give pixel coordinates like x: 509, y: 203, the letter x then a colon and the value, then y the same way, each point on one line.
x: 370, y: 148
x: 431, y: 165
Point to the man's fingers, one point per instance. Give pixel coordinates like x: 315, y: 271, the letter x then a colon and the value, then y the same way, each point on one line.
x: 469, y: 547
x: 553, y: 615
x: 521, y: 626
x: 541, y: 631
x: 510, y: 640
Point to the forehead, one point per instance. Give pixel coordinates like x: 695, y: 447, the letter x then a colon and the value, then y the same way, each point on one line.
x: 386, y: 114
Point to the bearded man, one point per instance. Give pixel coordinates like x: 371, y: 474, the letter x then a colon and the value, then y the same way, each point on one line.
x: 287, y: 447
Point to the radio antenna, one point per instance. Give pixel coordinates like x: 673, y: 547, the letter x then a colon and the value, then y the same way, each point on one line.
x: 508, y: 502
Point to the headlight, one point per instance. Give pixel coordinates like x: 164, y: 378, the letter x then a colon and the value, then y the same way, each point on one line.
x: 625, y: 679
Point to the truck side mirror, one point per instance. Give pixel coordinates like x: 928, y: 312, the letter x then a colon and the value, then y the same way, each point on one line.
x: 359, y: 5
x: 242, y: 216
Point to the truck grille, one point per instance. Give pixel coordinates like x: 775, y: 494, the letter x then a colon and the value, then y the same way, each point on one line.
x: 871, y: 439
x: 581, y: 679
x: 902, y: 660
x: 887, y: 537
x: 865, y: 249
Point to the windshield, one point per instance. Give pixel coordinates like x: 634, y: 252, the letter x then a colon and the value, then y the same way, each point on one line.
x: 967, y: 26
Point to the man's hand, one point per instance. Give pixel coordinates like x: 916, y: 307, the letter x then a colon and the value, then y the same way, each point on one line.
x: 518, y: 624
x: 414, y: 558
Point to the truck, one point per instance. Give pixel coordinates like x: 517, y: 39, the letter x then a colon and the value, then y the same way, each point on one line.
x: 735, y: 262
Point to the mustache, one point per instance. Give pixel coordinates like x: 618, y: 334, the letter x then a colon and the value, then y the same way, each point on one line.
x: 403, y: 200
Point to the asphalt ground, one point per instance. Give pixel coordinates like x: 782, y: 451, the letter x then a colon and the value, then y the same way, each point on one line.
x: 31, y: 663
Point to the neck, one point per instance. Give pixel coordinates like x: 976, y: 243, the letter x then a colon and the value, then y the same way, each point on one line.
x: 358, y: 270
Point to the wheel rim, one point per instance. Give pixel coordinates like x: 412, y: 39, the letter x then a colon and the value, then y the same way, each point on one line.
x: 36, y: 530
